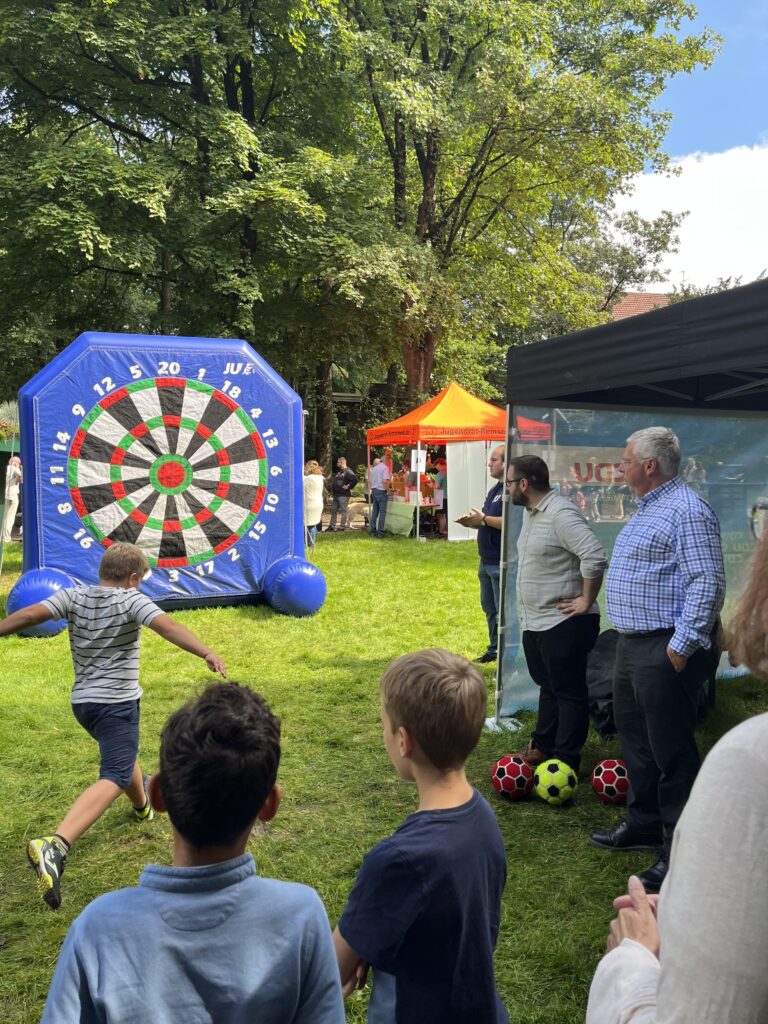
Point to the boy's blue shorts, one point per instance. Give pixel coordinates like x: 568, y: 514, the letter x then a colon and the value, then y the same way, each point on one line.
x: 115, y: 727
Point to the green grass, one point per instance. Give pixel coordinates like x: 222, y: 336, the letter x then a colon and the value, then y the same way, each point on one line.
x: 340, y: 792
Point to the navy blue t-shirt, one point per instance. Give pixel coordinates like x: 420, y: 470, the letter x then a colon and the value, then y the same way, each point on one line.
x: 425, y: 908
x: 488, y: 539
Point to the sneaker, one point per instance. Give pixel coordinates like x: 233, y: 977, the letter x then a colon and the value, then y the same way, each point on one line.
x: 48, y: 859
x: 485, y: 659
x: 146, y: 812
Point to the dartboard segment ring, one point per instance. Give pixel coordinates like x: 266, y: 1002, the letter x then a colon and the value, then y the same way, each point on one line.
x: 170, y: 464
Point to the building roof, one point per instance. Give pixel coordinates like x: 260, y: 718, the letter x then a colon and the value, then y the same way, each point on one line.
x: 634, y: 303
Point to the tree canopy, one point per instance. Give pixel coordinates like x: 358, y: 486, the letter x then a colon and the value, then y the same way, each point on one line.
x: 369, y: 182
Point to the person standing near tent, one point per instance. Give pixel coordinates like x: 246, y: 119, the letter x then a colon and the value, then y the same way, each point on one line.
x: 343, y: 482
x: 379, y: 477
x: 487, y: 522
x: 12, y: 483
x: 664, y: 592
x: 560, y: 566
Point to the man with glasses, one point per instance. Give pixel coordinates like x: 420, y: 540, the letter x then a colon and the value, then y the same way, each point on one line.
x: 487, y: 522
x: 664, y: 592
x: 559, y: 571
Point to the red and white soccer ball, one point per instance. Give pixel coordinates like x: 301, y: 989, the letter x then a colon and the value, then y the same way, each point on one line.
x: 512, y: 777
x: 610, y: 781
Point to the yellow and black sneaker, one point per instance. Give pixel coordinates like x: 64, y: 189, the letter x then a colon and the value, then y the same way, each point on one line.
x: 144, y: 813
x: 48, y: 857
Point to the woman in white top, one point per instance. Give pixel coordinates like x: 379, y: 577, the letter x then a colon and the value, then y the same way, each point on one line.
x: 704, y: 960
x: 314, y: 487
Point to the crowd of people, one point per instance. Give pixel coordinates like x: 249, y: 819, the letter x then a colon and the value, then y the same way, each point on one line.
x: 383, y: 483
x: 209, y: 939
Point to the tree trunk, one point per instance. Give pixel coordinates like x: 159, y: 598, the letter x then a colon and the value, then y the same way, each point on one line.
x: 419, y: 361
x: 325, y: 415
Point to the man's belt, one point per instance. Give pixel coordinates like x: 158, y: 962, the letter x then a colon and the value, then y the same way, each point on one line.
x: 649, y: 632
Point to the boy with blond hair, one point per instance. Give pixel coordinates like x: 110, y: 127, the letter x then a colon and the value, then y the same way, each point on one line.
x: 426, y: 904
x: 104, y: 629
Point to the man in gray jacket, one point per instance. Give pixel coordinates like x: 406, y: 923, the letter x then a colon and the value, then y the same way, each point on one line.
x: 560, y: 570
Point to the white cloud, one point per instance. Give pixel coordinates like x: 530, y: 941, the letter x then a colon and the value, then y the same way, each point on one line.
x: 726, y: 231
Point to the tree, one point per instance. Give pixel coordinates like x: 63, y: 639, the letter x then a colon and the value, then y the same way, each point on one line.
x: 489, y: 113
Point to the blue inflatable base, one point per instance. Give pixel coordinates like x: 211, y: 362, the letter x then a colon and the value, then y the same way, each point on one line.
x: 294, y: 586
x: 35, y: 586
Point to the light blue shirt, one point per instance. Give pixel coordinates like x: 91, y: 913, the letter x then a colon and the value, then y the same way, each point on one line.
x: 193, y: 945
x: 666, y: 569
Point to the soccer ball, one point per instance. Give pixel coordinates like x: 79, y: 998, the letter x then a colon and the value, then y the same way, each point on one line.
x: 554, y: 782
x: 512, y: 777
x: 610, y: 781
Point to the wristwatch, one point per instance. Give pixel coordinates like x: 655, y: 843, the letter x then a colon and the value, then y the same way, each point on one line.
x: 482, y: 521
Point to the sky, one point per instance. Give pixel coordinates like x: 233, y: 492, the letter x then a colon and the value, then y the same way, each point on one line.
x: 719, y: 141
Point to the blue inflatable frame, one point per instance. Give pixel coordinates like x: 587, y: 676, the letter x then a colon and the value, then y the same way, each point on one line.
x: 191, y: 448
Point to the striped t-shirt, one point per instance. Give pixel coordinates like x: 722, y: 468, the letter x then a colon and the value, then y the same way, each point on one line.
x: 104, y: 628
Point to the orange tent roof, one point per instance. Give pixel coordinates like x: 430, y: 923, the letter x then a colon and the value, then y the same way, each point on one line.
x: 453, y: 415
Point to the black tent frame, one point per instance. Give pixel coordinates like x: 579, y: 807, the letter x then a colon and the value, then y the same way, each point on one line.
x: 709, y: 353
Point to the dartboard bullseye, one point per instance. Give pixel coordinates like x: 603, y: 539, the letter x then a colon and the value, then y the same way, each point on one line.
x: 170, y: 464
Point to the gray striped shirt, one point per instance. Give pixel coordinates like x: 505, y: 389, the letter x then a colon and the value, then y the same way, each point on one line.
x: 104, y: 628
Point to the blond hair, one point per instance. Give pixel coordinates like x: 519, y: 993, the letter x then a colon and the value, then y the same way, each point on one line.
x: 313, y: 468
x: 122, y: 560
x: 440, y: 698
x: 746, y: 635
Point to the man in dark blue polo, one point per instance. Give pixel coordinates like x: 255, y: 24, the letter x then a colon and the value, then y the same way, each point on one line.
x: 487, y: 522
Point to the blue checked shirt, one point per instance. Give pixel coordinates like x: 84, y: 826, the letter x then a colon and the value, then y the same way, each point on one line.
x: 666, y: 570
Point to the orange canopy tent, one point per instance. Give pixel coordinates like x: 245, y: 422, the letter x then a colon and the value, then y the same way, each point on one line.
x: 453, y: 415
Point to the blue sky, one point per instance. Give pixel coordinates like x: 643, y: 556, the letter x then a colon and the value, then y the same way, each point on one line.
x: 718, y: 142
x: 726, y: 105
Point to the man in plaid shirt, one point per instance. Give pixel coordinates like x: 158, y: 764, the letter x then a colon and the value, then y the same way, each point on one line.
x: 664, y: 591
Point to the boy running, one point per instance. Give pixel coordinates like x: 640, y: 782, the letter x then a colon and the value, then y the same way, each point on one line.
x: 104, y: 628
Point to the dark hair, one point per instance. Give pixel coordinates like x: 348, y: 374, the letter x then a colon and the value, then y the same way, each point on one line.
x: 534, y: 469
x: 218, y: 763
x: 440, y: 698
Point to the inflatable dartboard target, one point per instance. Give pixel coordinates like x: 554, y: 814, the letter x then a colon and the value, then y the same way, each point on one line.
x: 190, y: 448
x: 171, y: 465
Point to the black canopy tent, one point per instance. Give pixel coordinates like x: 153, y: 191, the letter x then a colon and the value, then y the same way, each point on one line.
x: 679, y: 363
x: 707, y: 353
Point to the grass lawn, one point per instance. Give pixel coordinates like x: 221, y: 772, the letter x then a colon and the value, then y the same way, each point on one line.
x: 340, y: 792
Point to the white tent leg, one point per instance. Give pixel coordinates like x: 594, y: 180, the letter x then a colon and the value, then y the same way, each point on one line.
x: 418, y: 486
x: 370, y: 504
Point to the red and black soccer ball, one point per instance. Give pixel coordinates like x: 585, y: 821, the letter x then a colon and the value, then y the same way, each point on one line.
x: 610, y: 781
x: 512, y: 777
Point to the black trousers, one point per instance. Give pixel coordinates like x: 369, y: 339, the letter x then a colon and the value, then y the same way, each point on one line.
x: 655, y: 712
x: 557, y: 662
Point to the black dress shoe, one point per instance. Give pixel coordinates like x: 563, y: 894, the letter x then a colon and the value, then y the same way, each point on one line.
x: 484, y: 659
x: 654, y: 876
x: 625, y: 836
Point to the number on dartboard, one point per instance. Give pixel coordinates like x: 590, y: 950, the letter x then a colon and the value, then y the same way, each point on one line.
x: 164, y: 368
x: 173, y: 575
x: 172, y: 465
x: 233, y: 554
x: 272, y: 501
x: 106, y: 385
x: 60, y: 444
